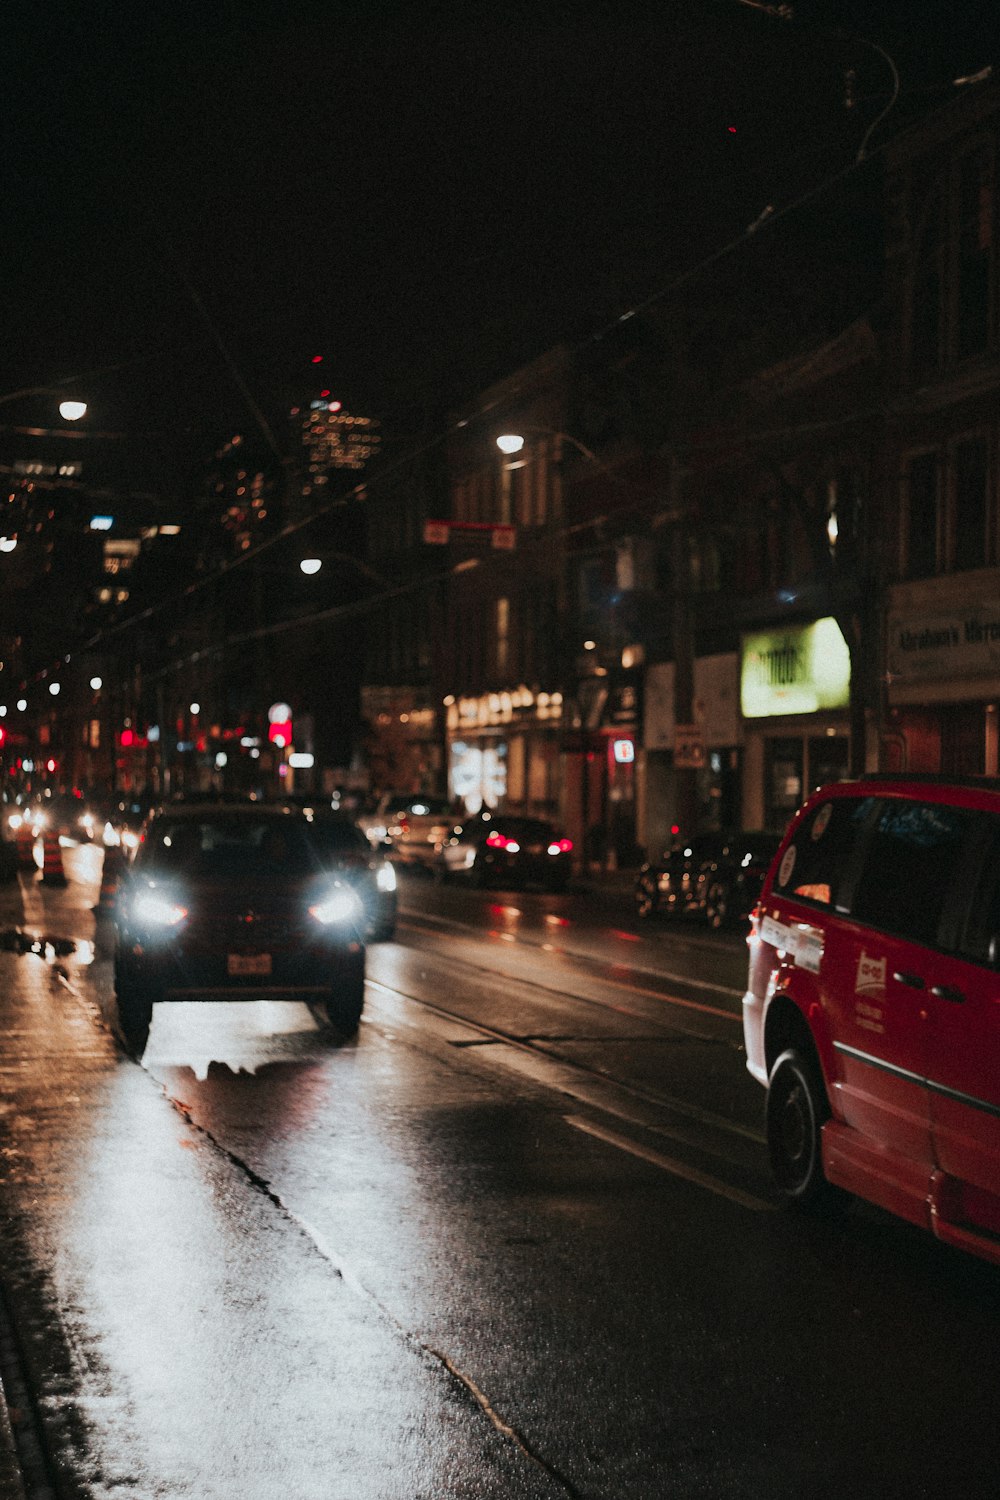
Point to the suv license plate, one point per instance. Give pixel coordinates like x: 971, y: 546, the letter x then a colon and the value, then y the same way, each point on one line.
x: 249, y: 963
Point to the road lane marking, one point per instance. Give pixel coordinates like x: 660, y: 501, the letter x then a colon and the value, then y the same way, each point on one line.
x: 672, y: 1165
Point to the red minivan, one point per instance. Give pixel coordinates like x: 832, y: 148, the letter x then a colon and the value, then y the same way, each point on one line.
x: 872, y: 1010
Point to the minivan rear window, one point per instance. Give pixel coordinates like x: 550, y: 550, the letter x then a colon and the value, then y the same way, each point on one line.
x: 814, y: 866
x: 909, y: 868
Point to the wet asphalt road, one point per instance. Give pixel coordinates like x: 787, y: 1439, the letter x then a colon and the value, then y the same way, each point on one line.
x: 515, y: 1240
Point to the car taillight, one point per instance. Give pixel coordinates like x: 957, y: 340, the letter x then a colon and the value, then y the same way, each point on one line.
x: 753, y: 936
x: 501, y: 841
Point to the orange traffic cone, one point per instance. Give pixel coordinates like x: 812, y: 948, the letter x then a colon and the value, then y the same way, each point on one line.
x: 111, y: 878
x: 25, y: 846
x: 52, y: 862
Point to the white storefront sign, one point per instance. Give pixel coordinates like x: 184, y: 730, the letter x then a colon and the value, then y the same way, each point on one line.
x: 716, y: 702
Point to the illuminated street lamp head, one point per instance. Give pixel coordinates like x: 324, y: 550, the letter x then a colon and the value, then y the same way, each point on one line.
x: 72, y: 411
x: 510, y: 442
x: 311, y: 565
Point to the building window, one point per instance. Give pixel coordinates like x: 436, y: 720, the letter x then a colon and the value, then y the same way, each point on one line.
x: 975, y: 244
x: 922, y: 516
x: 970, y: 514
x: 925, y: 325
x: 502, y: 635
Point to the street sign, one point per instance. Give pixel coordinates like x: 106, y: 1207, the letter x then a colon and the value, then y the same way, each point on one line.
x: 689, y: 747
x: 502, y: 537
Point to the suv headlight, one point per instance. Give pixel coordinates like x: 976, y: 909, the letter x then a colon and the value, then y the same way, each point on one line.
x: 157, y: 911
x: 385, y: 879
x: 338, y: 906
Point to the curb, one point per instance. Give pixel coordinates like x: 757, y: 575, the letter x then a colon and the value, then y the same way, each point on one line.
x: 11, y: 1482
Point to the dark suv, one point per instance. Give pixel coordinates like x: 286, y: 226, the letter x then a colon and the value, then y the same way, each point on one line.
x: 715, y: 877
x: 242, y: 902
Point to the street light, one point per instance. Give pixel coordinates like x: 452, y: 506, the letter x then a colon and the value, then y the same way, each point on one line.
x: 312, y: 565
x: 70, y: 409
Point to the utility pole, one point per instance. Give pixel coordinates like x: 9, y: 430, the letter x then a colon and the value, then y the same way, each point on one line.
x: 689, y: 750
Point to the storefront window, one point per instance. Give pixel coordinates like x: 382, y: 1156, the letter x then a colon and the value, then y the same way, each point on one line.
x: 796, y: 766
x: 828, y: 760
x: 784, y: 780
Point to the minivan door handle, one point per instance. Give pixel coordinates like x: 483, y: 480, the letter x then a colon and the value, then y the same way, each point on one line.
x: 948, y: 992
x: 913, y: 980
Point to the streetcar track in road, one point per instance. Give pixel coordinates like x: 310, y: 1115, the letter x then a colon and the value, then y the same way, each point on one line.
x: 621, y: 983
x: 446, y: 926
x: 531, y: 1047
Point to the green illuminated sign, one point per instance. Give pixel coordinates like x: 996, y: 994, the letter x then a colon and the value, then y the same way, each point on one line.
x: 799, y: 670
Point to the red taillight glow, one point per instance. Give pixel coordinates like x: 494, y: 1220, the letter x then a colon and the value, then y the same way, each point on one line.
x: 501, y: 841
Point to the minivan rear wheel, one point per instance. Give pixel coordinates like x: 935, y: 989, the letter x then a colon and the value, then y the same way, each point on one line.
x: 797, y: 1109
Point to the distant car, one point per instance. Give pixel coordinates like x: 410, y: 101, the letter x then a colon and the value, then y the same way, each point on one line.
x: 123, y: 821
x: 411, y: 824
x: 503, y: 849
x: 714, y: 877
x: 239, y: 901
x: 68, y: 813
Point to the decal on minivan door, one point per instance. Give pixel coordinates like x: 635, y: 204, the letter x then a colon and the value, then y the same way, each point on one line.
x: 869, y: 993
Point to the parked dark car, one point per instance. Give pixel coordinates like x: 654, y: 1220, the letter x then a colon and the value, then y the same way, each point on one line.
x: 241, y: 902
x: 504, y: 850
x: 715, y: 877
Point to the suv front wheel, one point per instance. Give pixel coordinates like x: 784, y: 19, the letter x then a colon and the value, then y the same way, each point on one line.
x: 344, y: 1008
x: 134, y: 1005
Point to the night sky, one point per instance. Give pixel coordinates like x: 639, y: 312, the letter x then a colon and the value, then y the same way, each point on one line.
x: 209, y: 195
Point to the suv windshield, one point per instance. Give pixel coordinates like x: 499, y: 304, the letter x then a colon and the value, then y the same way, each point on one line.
x: 257, y: 847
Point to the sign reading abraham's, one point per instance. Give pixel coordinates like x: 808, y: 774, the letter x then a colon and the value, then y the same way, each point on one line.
x: 922, y: 647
